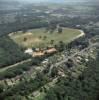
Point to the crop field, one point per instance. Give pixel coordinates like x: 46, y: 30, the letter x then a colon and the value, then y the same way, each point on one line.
x: 41, y: 38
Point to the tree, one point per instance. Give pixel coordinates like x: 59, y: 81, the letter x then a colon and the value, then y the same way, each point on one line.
x: 25, y: 39
x: 40, y: 37
x: 52, y: 42
x: 61, y: 46
x: 52, y: 27
x: 45, y: 89
x: 60, y: 30
x: 54, y: 72
x: 45, y: 37
x: 70, y: 63
x: 51, y: 96
x: 1, y: 88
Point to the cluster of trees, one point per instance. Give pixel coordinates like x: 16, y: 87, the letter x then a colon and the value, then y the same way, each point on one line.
x: 52, y: 26
x: 10, y: 52
x: 16, y: 70
x: 20, y: 68
x: 79, y: 43
x: 25, y: 87
x: 18, y: 26
x: 85, y: 87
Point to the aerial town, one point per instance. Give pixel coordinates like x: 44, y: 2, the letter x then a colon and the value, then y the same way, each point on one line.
x: 49, y: 50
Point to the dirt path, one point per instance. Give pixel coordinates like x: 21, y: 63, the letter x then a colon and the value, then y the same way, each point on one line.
x: 80, y: 35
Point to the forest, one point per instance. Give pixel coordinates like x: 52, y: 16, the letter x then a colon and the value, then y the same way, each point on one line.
x: 10, y: 52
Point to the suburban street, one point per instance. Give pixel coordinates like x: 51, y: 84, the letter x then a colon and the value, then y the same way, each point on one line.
x: 73, y: 55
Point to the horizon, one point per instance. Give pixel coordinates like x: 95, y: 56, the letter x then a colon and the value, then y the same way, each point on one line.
x: 48, y: 1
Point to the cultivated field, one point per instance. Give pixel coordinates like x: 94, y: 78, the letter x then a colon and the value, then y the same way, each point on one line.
x: 41, y: 38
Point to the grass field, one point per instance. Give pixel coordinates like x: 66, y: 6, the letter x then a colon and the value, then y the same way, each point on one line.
x: 40, y: 38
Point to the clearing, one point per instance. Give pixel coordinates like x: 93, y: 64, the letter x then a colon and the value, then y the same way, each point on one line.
x: 40, y: 38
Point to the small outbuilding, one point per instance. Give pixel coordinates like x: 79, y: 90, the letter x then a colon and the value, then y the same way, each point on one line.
x: 29, y: 51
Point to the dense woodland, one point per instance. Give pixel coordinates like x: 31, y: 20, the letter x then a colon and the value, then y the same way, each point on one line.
x: 10, y: 52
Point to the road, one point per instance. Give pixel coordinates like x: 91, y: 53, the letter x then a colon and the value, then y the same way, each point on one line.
x: 5, y: 68
x: 70, y: 57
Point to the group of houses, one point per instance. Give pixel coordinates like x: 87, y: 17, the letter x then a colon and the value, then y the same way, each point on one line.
x: 38, y: 52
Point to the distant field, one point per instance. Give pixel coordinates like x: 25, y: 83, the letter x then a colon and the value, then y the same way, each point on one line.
x: 40, y: 38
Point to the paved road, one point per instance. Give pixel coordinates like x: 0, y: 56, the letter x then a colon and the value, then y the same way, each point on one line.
x: 5, y: 68
x: 73, y: 55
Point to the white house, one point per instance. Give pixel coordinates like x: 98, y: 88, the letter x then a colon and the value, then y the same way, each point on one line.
x: 29, y: 51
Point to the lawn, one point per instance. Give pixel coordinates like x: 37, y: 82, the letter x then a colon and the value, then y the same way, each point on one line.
x: 40, y: 38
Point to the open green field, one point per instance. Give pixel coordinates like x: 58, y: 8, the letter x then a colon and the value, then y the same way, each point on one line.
x: 40, y: 38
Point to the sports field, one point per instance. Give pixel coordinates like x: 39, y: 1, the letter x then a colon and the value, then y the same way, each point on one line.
x: 40, y: 38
